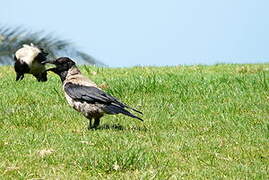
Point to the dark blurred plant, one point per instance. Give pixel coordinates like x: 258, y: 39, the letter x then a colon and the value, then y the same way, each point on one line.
x: 12, y: 39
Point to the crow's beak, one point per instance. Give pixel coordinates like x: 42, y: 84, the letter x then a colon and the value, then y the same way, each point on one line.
x: 47, y: 61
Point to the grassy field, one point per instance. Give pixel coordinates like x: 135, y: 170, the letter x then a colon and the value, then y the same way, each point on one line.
x: 201, y: 122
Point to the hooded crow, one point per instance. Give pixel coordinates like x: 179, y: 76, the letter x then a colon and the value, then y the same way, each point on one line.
x: 84, y: 95
x: 28, y: 60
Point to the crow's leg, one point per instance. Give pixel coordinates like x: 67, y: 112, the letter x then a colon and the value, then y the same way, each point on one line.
x: 41, y: 77
x: 90, y: 123
x: 19, y: 76
x: 37, y: 77
x: 96, y: 122
x: 44, y: 76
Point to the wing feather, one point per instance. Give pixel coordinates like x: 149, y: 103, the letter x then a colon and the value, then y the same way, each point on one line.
x: 93, y: 95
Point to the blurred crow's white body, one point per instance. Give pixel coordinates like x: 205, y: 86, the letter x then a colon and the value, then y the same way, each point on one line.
x: 84, y: 95
x: 28, y: 60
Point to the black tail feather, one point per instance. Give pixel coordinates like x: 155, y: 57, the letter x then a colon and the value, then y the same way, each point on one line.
x: 112, y: 109
x: 134, y: 110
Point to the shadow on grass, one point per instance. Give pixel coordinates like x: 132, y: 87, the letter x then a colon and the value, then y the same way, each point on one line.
x: 120, y: 128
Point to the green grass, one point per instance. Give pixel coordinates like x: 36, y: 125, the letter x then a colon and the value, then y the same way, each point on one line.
x: 201, y: 122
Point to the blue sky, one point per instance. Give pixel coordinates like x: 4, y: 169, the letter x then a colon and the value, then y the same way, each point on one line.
x: 152, y: 32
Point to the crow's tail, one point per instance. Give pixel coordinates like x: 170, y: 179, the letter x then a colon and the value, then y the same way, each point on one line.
x: 113, y: 109
x: 134, y: 109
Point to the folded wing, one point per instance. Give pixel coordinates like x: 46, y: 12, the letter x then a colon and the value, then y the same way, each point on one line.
x: 93, y: 95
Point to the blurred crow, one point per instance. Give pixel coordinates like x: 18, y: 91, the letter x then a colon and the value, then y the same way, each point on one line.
x: 28, y: 60
x: 84, y: 95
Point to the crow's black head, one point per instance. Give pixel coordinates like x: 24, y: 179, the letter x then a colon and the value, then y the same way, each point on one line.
x: 63, y: 64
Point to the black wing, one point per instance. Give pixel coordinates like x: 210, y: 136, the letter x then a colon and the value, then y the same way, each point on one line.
x: 92, y: 95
